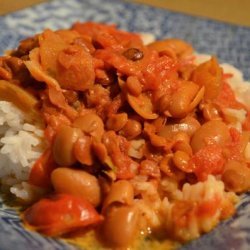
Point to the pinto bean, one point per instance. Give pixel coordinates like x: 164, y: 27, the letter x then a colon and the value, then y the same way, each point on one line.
x: 100, y: 151
x: 83, y: 150
x: 90, y: 124
x: 64, y: 144
x: 181, y: 160
x: 183, y: 146
x: 132, y: 129
x: 120, y: 192
x: 236, y: 177
x: 163, y: 103
x: 182, y: 137
x: 120, y: 226
x: 187, y: 125
x: 117, y: 121
x: 77, y: 182
x: 165, y: 165
x: 133, y: 85
x: 185, y: 99
x: 215, y: 131
x: 210, y: 112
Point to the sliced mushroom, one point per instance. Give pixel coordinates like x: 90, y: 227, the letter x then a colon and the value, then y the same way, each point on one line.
x: 21, y: 98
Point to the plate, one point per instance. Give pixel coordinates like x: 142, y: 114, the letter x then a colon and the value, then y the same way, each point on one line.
x: 230, y: 42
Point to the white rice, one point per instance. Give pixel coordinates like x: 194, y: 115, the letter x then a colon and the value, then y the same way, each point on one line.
x: 21, y: 144
x: 199, y: 193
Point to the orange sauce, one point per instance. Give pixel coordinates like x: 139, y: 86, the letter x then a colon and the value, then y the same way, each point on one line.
x: 88, y: 241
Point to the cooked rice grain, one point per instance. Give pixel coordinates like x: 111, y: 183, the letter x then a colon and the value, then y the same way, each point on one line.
x: 21, y: 144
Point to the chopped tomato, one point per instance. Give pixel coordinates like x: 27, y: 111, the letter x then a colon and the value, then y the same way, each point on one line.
x: 117, y: 147
x: 41, y: 170
x: 126, y: 167
x: 227, y: 99
x: 157, y: 71
x: 72, y: 62
x: 181, y: 212
x: 208, y: 160
x: 116, y: 37
x: 116, y: 60
x: 60, y: 214
x: 208, y: 208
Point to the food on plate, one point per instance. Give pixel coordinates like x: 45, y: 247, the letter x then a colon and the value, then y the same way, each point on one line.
x: 103, y: 134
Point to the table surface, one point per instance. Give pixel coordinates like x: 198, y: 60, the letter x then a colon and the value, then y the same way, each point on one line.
x: 232, y: 11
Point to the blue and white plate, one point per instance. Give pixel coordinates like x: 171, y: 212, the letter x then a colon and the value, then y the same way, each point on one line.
x: 230, y: 43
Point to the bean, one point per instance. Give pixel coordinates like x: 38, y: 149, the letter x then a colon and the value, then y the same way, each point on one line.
x: 133, y: 85
x: 236, y: 177
x: 83, y: 150
x: 182, y: 136
x: 157, y: 140
x: 120, y: 226
x: 210, y: 112
x: 142, y: 105
x: 215, y: 131
x: 120, y: 192
x: 131, y: 129
x: 63, y: 145
x: 165, y: 165
x: 182, y: 146
x: 90, y: 124
x: 105, y: 185
x: 187, y: 125
x: 185, y: 99
x: 181, y: 160
x: 182, y: 141
x: 163, y: 103
x: 100, y: 151
x: 133, y: 54
x: 77, y: 182
x: 117, y: 121
x: 159, y: 123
